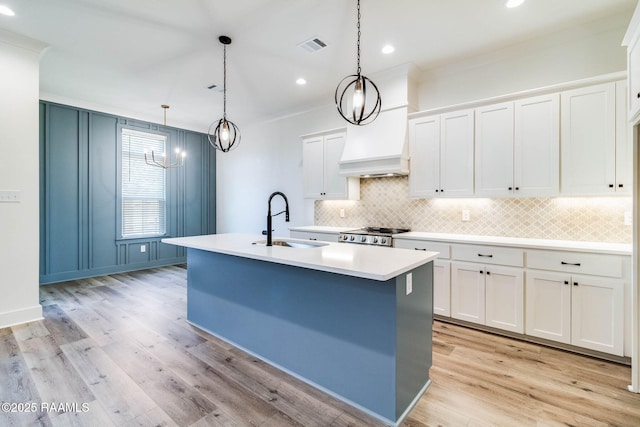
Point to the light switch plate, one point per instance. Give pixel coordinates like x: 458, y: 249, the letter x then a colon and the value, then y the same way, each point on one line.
x: 409, y: 283
x: 9, y: 196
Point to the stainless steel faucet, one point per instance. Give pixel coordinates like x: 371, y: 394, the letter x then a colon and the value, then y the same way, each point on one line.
x: 269, y: 216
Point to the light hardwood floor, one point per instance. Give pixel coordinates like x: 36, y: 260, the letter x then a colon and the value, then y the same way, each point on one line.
x: 120, y: 345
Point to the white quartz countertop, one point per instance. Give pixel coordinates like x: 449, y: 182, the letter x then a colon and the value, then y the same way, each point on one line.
x: 562, y: 245
x: 599, y: 247
x: 369, y: 262
x: 322, y: 229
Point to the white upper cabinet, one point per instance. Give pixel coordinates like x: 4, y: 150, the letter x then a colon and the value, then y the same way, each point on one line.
x: 632, y: 42
x: 537, y: 146
x: 441, y: 150
x: 494, y: 150
x: 517, y: 148
x: 589, y: 140
x: 321, y: 176
x: 624, y: 142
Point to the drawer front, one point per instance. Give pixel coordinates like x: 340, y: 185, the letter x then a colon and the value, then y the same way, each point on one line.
x: 444, y: 249
x: 488, y: 255
x: 323, y: 237
x: 576, y: 262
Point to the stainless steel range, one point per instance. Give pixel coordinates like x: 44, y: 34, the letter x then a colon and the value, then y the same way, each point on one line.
x: 379, y: 236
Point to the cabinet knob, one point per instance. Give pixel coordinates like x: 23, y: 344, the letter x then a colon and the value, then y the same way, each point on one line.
x: 566, y: 282
x: 610, y: 185
x: 575, y: 283
x: 517, y: 188
x: 481, y: 272
x: 510, y: 188
x: 489, y: 273
x: 638, y: 95
x: 442, y: 190
x: 620, y: 185
x: 437, y: 191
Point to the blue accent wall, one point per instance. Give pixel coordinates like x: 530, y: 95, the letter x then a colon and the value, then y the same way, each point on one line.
x: 79, y: 195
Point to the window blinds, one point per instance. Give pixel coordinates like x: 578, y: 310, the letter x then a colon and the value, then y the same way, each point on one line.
x: 143, y: 186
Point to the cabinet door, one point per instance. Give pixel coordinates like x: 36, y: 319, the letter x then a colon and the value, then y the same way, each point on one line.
x: 597, y: 314
x: 335, y: 185
x: 624, y: 142
x: 633, y: 73
x: 548, y: 306
x: 494, y: 150
x: 537, y: 146
x: 424, y: 151
x: 504, y: 295
x: 467, y: 292
x: 313, y: 167
x: 456, y: 154
x: 588, y: 140
x: 441, y: 287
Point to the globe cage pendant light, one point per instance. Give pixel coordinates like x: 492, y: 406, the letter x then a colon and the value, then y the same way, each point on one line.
x: 226, y: 135
x: 357, y: 97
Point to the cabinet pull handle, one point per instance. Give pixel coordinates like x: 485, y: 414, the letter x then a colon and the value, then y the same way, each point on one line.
x: 575, y: 283
x: 610, y: 185
x: 312, y: 238
x: 638, y: 95
x: 575, y: 264
x: 420, y: 249
x: 486, y: 256
x: 620, y: 185
x: 566, y: 282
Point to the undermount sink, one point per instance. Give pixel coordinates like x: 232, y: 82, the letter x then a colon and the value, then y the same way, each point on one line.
x: 291, y: 243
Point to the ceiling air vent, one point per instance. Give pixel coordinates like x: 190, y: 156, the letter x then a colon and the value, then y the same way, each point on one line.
x: 313, y: 45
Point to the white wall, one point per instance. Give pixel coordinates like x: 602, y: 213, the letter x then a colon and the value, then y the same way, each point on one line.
x: 19, y: 164
x: 268, y: 159
x: 585, y: 51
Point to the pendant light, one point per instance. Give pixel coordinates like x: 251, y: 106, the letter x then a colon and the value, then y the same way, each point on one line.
x: 355, y: 104
x: 226, y: 135
x: 166, y: 163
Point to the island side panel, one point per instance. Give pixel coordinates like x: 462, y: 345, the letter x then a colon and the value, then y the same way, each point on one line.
x: 414, y: 336
x: 334, y: 331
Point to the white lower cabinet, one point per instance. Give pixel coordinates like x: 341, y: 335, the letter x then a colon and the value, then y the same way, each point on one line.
x: 488, y: 295
x: 581, y: 310
x: 441, y: 281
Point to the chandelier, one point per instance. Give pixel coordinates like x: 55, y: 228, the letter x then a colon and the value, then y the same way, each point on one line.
x: 165, y: 162
x: 226, y: 135
x: 354, y: 104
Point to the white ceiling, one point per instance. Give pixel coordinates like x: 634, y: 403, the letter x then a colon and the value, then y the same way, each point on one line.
x: 134, y: 55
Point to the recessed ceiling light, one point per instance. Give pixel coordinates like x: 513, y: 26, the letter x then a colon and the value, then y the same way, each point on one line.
x: 387, y: 49
x: 513, y: 3
x: 4, y: 10
x: 301, y: 81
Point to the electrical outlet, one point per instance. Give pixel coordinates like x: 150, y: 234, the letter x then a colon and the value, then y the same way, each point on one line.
x: 409, y: 287
x: 466, y: 215
x: 341, y: 213
x: 628, y: 218
x: 143, y: 248
x: 8, y: 196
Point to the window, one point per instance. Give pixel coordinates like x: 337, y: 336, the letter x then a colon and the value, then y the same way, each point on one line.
x: 143, y: 186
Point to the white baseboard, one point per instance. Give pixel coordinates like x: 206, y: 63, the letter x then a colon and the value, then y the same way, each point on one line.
x: 24, y: 315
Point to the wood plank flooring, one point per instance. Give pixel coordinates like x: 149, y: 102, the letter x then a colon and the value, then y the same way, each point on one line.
x: 118, y: 351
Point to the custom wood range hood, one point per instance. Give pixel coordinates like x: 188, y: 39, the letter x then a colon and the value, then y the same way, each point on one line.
x: 380, y: 148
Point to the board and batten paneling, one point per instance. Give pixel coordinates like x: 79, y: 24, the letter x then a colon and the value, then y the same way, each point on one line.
x: 79, y: 191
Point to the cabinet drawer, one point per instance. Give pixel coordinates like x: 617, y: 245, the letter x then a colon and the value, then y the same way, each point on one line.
x: 576, y: 262
x: 488, y: 255
x: 323, y: 237
x: 443, y: 248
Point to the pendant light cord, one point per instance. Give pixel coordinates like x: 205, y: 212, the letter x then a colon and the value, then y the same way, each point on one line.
x: 224, y: 84
x: 358, y: 38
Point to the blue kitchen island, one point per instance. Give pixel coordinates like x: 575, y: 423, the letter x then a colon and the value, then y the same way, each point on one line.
x: 354, y: 321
